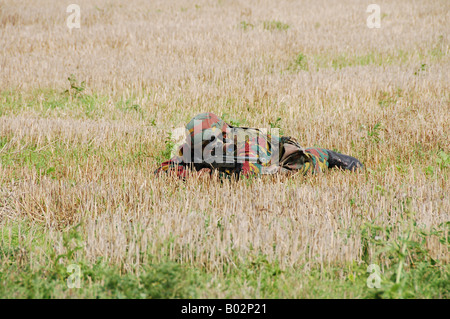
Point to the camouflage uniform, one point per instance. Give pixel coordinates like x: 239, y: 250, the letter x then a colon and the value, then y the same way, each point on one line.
x: 274, y: 154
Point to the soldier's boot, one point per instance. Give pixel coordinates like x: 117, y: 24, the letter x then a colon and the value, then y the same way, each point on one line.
x: 339, y: 160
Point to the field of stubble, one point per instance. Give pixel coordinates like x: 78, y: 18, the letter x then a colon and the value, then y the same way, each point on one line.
x: 86, y: 116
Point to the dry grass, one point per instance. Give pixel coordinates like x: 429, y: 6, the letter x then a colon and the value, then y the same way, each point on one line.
x: 380, y: 95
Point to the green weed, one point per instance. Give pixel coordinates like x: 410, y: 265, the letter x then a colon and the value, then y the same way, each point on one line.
x: 275, y: 25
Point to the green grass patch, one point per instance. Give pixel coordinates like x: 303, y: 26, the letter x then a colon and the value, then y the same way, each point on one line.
x: 246, y: 26
x: 53, y: 157
x: 406, y: 270
x: 275, y: 25
x: 299, y: 63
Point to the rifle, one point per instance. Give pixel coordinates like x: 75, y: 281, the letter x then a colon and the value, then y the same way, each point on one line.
x: 226, y: 162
